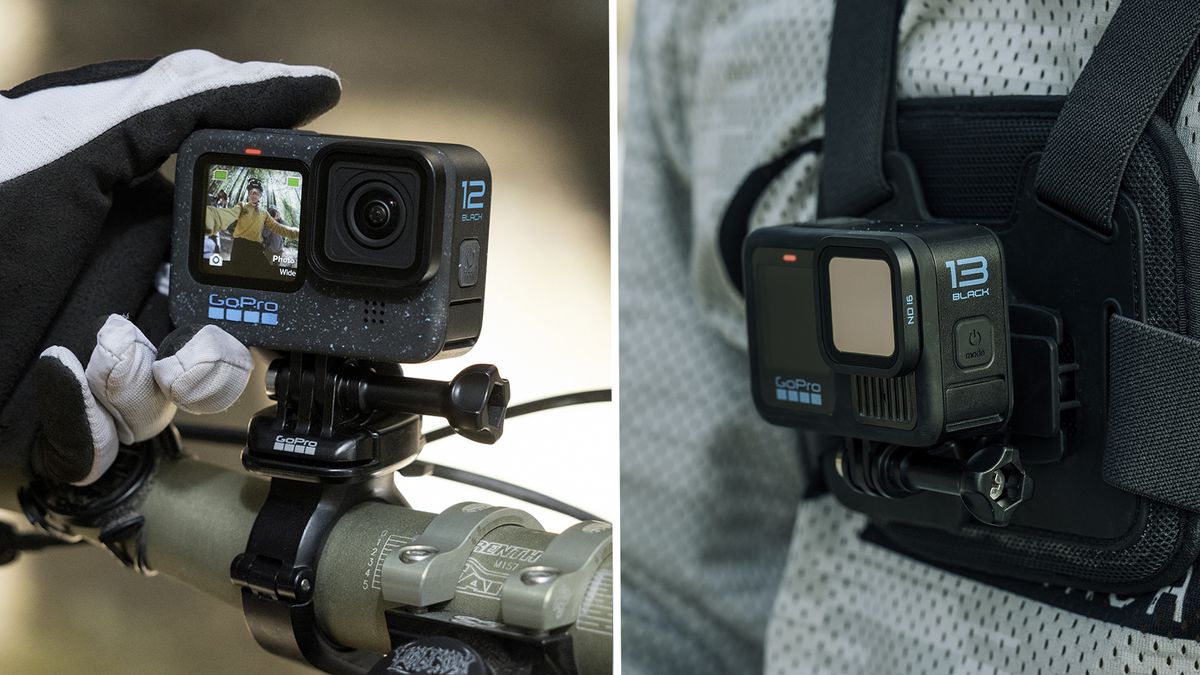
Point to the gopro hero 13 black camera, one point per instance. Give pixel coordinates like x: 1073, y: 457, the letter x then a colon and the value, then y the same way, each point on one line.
x: 895, y: 333
x: 353, y: 247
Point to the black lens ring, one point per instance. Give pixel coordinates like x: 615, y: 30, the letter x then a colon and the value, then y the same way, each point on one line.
x: 362, y: 197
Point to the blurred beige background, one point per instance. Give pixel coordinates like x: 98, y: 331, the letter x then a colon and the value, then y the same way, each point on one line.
x: 523, y: 81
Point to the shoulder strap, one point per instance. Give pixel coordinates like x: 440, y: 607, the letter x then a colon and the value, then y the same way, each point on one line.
x: 859, y: 106
x: 1142, y: 65
x: 1137, y: 68
x: 735, y: 223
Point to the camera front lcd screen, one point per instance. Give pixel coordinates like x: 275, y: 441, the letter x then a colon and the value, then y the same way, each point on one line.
x: 860, y: 306
x: 251, y: 223
x: 792, y: 371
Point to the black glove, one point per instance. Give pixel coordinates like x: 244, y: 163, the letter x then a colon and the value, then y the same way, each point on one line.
x: 85, y: 217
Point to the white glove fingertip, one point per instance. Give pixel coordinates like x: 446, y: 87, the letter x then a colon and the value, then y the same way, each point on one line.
x: 120, y: 374
x: 207, y: 374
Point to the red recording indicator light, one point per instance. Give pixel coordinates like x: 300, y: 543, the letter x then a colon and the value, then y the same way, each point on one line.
x: 252, y: 151
x: 789, y: 257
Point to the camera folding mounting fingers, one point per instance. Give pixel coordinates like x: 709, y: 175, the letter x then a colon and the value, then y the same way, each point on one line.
x: 206, y: 373
x: 121, y: 378
x: 78, y: 438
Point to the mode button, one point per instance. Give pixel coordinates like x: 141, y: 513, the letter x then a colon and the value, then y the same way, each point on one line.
x: 468, y: 263
x: 973, y: 342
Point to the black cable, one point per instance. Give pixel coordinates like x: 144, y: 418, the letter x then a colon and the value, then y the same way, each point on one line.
x: 504, y: 488
x: 12, y: 542
x: 548, y: 403
x: 201, y: 432
x: 35, y: 542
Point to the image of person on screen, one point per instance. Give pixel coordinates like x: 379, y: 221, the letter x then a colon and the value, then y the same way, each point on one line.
x: 248, y: 221
x: 273, y: 243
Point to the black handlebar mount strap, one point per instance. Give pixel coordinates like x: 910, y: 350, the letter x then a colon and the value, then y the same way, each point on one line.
x: 277, y: 572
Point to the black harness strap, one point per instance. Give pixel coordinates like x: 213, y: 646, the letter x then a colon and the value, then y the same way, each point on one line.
x: 1153, y: 445
x: 1171, y: 106
x: 1125, y: 81
x: 859, y: 126
x: 735, y: 224
x: 859, y: 107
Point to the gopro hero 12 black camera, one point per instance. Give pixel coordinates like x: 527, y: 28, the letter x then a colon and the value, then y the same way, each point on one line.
x: 889, y: 332
x: 354, y: 247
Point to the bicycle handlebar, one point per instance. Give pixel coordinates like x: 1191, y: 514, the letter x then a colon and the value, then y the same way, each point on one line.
x: 198, y: 518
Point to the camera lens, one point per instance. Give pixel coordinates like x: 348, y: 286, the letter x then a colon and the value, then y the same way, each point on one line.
x: 378, y: 214
x: 375, y: 214
x: 373, y: 223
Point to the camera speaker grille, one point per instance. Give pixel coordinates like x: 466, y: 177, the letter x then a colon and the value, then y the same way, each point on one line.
x: 374, y: 312
x: 884, y: 401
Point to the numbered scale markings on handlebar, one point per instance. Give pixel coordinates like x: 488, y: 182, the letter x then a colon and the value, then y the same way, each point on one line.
x: 384, y: 546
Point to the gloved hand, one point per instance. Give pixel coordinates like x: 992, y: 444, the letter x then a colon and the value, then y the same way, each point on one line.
x: 128, y: 393
x: 85, y: 227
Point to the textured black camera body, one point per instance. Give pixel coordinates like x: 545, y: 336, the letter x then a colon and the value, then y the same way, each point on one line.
x: 889, y: 332
x: 354, y: 247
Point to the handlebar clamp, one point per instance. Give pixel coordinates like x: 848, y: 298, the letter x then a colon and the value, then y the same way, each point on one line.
x: 427, y: 570
x: 548, y: 595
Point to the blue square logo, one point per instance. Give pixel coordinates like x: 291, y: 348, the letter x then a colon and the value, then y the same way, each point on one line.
x: 250, y: 316
x: 233, y: 314
x: 216, y: 312
x: 270, y: 318
x: 816, y: 399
